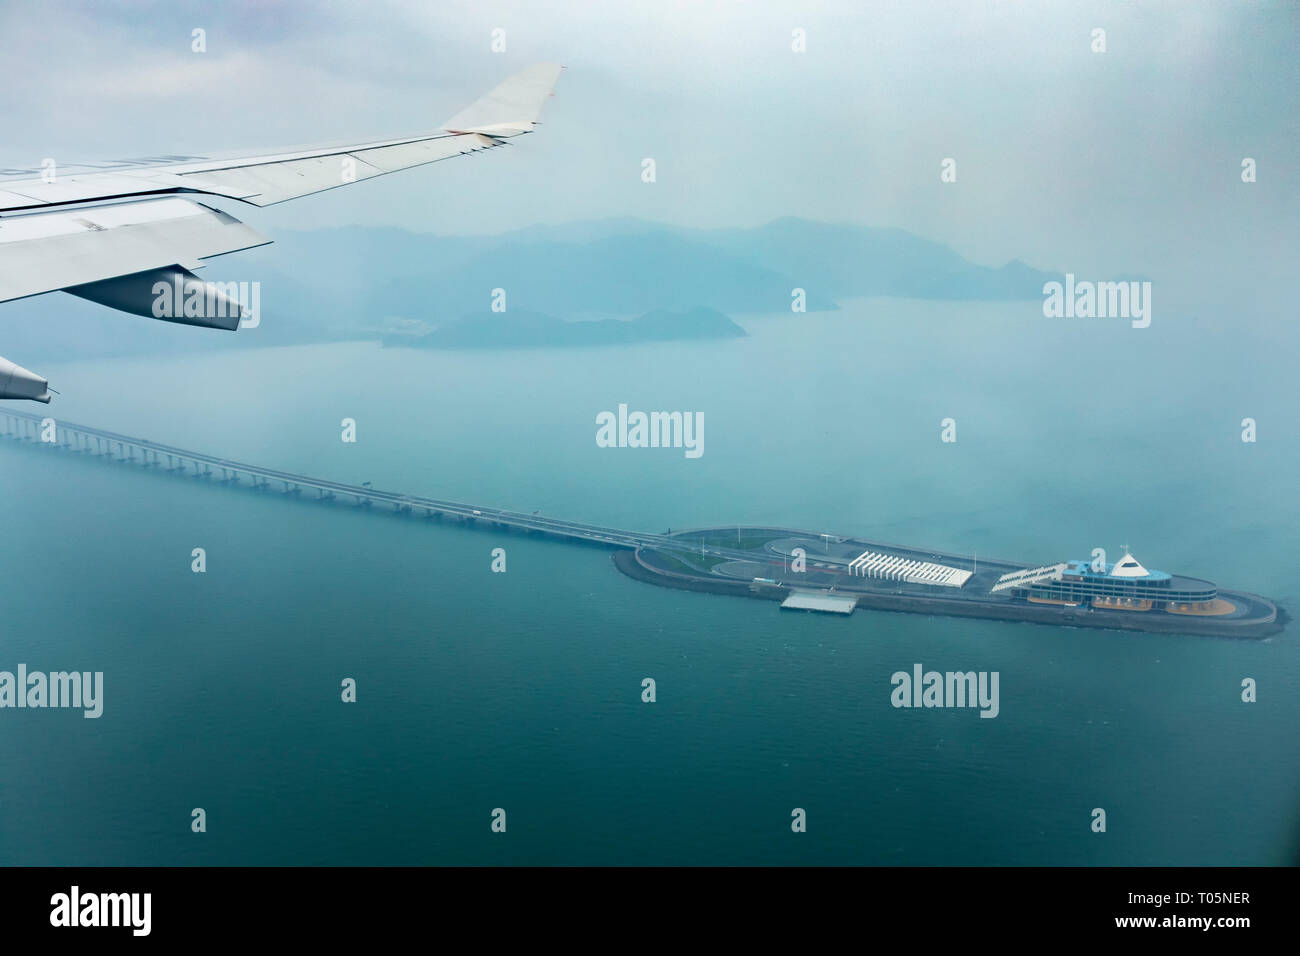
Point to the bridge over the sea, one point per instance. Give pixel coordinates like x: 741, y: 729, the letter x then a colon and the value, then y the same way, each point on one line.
x: 838, y: 576
x: 72, y: 438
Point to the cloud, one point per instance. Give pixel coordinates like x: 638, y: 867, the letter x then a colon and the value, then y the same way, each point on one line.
x: 1122, y: 161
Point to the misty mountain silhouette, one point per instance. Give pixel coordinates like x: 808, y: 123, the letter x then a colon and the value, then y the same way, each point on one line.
x: 359, y: 282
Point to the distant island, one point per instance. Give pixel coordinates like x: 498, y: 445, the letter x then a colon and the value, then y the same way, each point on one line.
x: 368, y: 283
x: 522, y: 329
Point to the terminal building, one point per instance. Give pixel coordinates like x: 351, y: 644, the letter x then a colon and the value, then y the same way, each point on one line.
x: 1126, y: 584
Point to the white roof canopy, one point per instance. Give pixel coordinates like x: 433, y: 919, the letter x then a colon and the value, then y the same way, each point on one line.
x: 1128, y: 567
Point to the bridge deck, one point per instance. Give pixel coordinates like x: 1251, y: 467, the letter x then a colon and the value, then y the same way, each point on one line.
x: 97, y: 441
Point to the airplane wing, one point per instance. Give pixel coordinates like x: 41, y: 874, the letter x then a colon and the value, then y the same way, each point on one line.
x: 509, y: 110
x: 123, y: 233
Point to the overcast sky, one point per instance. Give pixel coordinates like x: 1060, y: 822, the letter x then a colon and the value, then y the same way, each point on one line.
x: 1123, y: 161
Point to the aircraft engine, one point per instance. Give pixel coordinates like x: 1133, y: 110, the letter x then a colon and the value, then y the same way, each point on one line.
x: 172, y: 294
x: 17, y: 382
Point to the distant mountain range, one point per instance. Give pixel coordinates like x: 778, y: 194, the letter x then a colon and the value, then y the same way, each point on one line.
x: 363, y: 282
x: 629, y: 266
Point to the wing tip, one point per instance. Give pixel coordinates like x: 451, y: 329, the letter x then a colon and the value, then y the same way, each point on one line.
x: 512, y: 107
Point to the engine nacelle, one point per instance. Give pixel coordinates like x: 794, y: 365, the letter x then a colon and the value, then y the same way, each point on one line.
x: 17, y: 382
x: 173, y: 294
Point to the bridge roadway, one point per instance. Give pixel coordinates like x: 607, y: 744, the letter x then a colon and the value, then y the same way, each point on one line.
x: 96, y: 441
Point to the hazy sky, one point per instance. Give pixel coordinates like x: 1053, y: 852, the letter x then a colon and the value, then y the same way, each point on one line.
x: 1123, y: 161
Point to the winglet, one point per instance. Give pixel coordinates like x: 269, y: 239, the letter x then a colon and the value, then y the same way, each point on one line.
x: 510, y: 109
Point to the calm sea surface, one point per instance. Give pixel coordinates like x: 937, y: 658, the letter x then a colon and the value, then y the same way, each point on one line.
x: 522, y: 690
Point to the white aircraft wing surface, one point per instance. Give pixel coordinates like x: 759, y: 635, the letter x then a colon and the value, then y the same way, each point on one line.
x: 507, y: 111
x: 123, y: 233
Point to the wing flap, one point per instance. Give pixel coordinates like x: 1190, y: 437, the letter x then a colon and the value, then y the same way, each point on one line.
x: 269, y: 183
x: 56, y: 250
